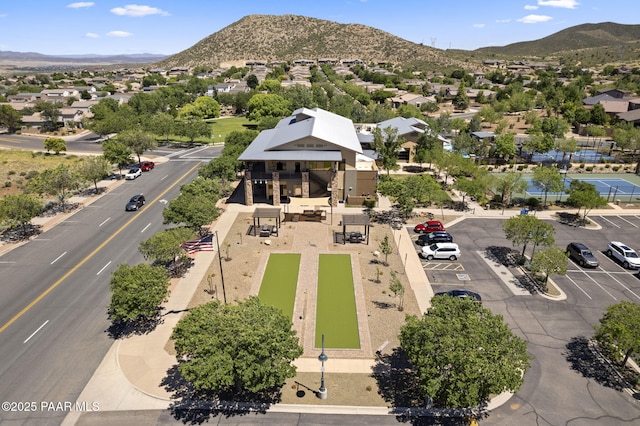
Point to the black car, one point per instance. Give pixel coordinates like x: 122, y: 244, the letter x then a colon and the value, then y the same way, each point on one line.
x: 434, y: 237
x: 135, y: 203
x: 582, y: 255
x: 462, y: 294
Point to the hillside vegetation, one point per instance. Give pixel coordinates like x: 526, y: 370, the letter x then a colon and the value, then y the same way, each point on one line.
x: 290, y: 37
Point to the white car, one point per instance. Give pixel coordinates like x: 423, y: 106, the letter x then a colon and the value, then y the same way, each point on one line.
x: 449, y: 251
x: 133, y: 173
x: 623, y: 254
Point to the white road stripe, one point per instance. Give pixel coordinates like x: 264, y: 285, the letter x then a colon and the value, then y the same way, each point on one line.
x: 624, y: 286
x: 165, y: 176
x: 145, y: 228
x: 104, y: 267
x: 604, y: 218
x: 630, y: 223
x: 34, y: 333
x: 580, y: 288
x: 105, y: 221
x: 58, y: 258
x: 598, y: 284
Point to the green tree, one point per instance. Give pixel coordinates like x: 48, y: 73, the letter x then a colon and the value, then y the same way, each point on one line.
x: 58, y: 182
x: 386, y: 143
x: 19, y: 209
x: 55, y: 144
x: 94, y: 169
x: 267, y: 105
x: 548, y: 179
x: 552, y: 260
x: 584, y: 194
x: 195, y: 207
x: 461, y: 99
x: 598, y: 115
x: 162, y: 123
x: 138, y: 141
x: 163, y: 248
x: 619, y: 330
x: 567, y: 145
x: 117, y: 153
x: 521, y: 230
x: 539, y: 143
x: 397, y: 289
x: 252, y: 81
x: 505, y: 145
x: 193, y: 129
x: 137, y: 292
x: 245, y: 347
x: 386, y: 249
x: 10, y: 118
x: 462, y: 353
x: 508, y: 184
x: 50, y: 113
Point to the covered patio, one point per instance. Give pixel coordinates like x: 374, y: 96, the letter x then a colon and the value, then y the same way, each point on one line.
x: 265, y: 230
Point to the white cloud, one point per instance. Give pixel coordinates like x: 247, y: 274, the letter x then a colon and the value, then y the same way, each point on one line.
x: 3, y: 15
x: 530, y: 7
x: 91, y: 35
x: 503, y: 21
x: 534, y: 19
x: 80, y: 4
x: 478, y: 25
x: 565, y: 4
x: 138, y: 10
x: 119, y: 34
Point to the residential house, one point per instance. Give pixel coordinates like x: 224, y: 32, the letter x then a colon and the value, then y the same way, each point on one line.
x: 312, y: 153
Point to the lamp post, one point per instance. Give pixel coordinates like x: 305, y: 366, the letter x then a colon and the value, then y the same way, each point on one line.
x: 563, y: 172
x: 224, y: 293
x: 322, y: 392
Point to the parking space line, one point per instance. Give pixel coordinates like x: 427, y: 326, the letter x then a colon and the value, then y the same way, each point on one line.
x: 629, y: 222
x: 623, y: 285
x: 604, y: 218
x: 598, y: 284
x: 580, y: 288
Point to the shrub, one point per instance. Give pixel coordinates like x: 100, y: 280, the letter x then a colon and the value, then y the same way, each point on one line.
x: 607, y: 165
x: 589, y: 169
x: 533, y: 202
x: 581, y: 165
x: 11, y: 172
x: 7, y: 184
x: 615, y: 168
x: 521, y: 167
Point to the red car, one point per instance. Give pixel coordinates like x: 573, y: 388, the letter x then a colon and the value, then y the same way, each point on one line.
x: 147, y: 165
x: 429, y: 226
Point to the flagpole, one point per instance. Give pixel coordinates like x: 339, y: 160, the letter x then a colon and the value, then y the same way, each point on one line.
x: 224, y: 293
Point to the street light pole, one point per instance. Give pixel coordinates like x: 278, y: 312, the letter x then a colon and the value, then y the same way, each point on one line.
x: 224, y: 293
x: 322, y: 392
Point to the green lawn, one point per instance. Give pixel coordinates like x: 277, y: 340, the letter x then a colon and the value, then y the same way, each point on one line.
x: 336, y: 315
x: 223, y: 126
x: 278, y: 287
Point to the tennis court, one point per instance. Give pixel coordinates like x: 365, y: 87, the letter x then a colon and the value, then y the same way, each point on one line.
x: 610, y: 188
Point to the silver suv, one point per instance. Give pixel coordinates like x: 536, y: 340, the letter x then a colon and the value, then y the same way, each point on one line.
x: 449, y: 251
x: 623, y: 254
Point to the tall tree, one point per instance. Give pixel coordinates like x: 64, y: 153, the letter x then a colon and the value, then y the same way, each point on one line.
x: 117, y: 153
x: 163, y: 248
x: 462, y: 353
x: 269, y: 105
x: 548, y: 261
x: 137, y: 292
x: 193, y: 129
x: 10, y: 118
x: 584, y: 194
x: 521, y: 230
x: 387, y: 144
x: 508, y: 184
x: 195, y: 207
x: 138, y: 141
x: 245, y: 347
x: 58, y: 182
x: 94, y: 169
x: 548, y: 179
x: 162, y: 124
x: 619, y: 330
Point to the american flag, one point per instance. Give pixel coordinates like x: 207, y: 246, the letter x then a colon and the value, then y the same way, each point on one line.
x: 199, y: 244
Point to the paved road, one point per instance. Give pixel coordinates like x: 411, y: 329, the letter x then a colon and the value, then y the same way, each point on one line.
x: 49, y: 350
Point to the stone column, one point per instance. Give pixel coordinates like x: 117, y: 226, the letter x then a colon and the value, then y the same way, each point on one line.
x: 305, y: 184
x: 275, y: 179
x: 334, y: 188
x: 248, y: 189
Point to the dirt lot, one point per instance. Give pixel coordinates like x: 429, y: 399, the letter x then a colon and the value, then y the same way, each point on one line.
x: 242, y: 276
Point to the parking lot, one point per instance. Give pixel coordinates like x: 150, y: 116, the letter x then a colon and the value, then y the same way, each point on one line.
x: 598, y: 287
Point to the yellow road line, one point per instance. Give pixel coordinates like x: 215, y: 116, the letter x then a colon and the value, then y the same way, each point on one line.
x: 89, y: 256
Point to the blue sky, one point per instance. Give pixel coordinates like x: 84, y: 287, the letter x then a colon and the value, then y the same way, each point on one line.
x: 166, y: 27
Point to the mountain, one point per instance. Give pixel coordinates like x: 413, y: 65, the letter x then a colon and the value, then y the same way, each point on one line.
x: 289, y: 37
x: 27, y: 57
x: 578, y: 38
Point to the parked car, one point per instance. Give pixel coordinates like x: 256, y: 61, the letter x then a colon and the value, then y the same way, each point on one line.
x: 135, y: 203
x: 429, y: 226
x: 434, y: 237
x: 449, y: 251
x: 623, y: 254
x: 582, y: 255
x: 133, y: 173
x: 462, y: 294
x: 145, y: 166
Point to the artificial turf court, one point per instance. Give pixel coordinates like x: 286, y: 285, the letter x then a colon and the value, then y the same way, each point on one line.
x: 279, y: 282
x: 336, y: 314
